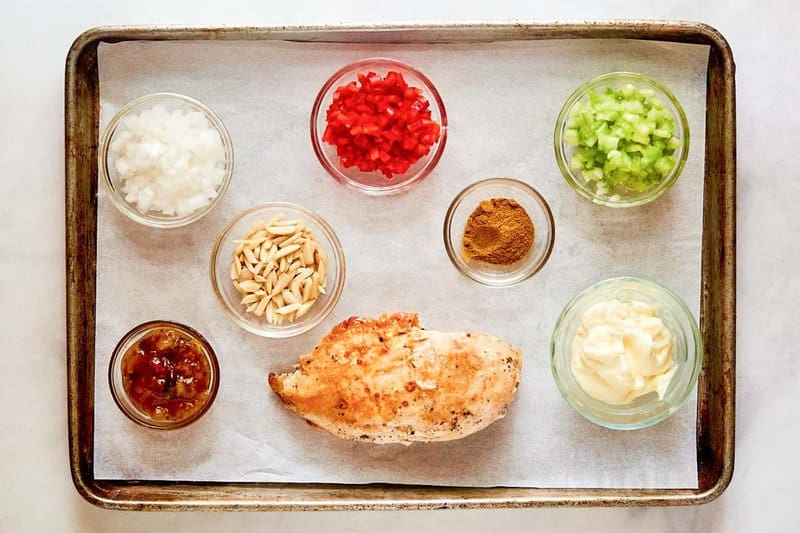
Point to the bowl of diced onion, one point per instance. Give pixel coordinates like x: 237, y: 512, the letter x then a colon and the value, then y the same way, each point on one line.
x: 165, y: 159
x: 621, y: 139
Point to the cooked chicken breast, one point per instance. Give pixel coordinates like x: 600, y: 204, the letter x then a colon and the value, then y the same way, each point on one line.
x: 386, y: 380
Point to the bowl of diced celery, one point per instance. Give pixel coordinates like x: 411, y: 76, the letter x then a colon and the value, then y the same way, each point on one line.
x: 621, y: 139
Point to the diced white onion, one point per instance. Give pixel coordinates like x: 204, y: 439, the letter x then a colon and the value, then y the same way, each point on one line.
x: 170, y: 162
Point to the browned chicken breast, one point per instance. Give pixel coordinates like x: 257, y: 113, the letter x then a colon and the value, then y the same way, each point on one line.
x: 386, y: 380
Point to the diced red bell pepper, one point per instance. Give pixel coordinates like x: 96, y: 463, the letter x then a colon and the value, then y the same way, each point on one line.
x: 380, y: 124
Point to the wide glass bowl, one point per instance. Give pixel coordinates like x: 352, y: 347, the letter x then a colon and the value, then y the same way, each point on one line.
x: 645, y: 410
x: 465, y: 203
x: 116, y: 378
x: 229, y: 298
x: 620, y: 197
x: 107, y: 160
x: 375, y: 183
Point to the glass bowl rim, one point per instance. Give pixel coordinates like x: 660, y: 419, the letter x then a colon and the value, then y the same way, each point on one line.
x: 695, y: 341
x: 129, y: 210
x: 447, y: 231
x: 293, y: 328
x: 335, y: 172
x: 560, y: 152
x: 141, y: 330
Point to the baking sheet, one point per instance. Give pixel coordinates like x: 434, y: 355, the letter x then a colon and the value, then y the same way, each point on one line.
x: 502, y: 100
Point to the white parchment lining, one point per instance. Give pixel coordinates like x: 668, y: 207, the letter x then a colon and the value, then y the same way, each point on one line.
x: 502, y: 100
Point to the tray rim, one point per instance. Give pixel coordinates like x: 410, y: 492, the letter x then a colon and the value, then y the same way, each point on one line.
x: 716, y: 389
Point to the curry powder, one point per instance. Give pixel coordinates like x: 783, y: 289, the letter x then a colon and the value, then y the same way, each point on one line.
x: 499, y: 232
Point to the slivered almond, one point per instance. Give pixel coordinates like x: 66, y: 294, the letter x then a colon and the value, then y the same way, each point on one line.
x: 286, y: 309
x: 250, y: 298
x: 303, y: 309
x: 290, y: 297
x: 262, y: 306
x: 294, y: 284
x: 282, y: 230
x: 282, y: 283
x: 291, y: 240
x: 284, y: 251
x: 248, y: 254
x: 249, y: 286
x: 279, y: 301
x: 292, y: 222
x: 295, y: 290
x: 271, y: 254
x: 308, y: 252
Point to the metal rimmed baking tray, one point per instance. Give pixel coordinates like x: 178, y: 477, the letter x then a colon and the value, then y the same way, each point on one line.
x: 715, y: 417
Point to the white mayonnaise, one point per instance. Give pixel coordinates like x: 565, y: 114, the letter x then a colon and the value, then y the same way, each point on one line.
x: 169, y: 161
x: 622, y: 351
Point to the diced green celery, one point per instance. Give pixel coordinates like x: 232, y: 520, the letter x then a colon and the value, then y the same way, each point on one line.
x: 664, y: 165
x: 664, y: 134
x: 652, y: 152
x: 628, y: 90
x: 571, y: 137
x: 595, y: 174
x: 607, y: 142
x: 634, y: 147
x: 634, y: 107
x: 674, y: 143
x: 631, y: 118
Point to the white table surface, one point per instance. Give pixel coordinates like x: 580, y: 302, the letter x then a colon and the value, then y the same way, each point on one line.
x: 36, y: 493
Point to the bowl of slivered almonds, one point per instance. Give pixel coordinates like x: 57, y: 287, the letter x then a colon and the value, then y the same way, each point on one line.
x: 277, y: 269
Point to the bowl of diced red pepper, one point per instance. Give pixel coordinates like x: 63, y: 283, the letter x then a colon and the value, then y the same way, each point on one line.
x: 378, y: 126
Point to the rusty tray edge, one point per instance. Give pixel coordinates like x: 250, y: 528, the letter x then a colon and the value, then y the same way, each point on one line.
x: 716, y: 388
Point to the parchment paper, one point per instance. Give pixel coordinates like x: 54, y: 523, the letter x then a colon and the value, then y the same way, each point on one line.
x: 502, y: 100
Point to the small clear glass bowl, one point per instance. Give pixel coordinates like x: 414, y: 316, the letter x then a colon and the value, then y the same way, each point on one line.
x: 375, y: 183
x: 564, y: 152
x: 229, y: 298
x: 465, y: 203
x: 110, y: 176
x: 649, y: 409
x: 115, y: 378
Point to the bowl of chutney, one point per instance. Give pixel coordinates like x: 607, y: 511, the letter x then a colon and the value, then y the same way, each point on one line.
x: 163, y: 375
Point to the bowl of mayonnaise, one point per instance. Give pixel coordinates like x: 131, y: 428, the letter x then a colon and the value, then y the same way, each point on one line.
x: 626, y: 353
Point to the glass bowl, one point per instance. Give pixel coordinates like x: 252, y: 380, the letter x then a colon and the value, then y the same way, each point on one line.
x: 645, y: 410
x: 229, y: 298
x: 626, y: 197
x: 115, y: 378
x: 375, y: 183
x: 110, y: 176
x: 465, y: 203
